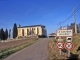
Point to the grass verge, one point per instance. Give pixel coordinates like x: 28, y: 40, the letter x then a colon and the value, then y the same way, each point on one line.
x: 6, y: 52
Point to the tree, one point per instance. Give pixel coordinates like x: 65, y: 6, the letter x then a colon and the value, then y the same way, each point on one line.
x: 6, y: 34
x: 72, y: 26
x: 79, y: 27
x: 2, y: 34
x: 15, y: 32
x: 68, y: 27
x: 9, y: 33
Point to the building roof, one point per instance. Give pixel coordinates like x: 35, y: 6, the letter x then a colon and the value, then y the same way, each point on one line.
x: 52, y: 34
x: 31, y: 26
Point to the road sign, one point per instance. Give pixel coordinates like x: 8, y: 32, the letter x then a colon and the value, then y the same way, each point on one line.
x: 60, y: 45
x: 60, y: 39
x: 69, y: 39
x: 69, y: 45
x: 64, y: 33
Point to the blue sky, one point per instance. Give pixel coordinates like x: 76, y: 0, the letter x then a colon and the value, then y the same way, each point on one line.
x: 33, y: 12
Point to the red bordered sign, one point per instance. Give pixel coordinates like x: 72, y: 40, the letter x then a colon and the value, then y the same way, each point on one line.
x: 60, y: 45
x: 69, y: 45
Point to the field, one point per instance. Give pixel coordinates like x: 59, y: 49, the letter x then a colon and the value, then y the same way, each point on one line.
x: 74, y: 53
x: 8, y: 48
x: 14, y: 43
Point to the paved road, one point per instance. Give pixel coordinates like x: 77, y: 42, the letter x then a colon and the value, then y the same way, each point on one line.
x: 37, y: 51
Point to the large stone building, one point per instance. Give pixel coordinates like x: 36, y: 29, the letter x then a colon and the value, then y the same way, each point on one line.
x: 32, y: 30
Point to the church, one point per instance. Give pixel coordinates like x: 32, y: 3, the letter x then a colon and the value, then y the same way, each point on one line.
x: 32, y: 30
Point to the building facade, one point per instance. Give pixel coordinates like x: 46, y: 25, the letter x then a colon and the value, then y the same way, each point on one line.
x: 32, y: 30
x: 52, y: 35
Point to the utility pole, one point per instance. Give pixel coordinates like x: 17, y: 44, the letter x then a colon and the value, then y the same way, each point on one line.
x: 75, y: 20
x: 60, y: 25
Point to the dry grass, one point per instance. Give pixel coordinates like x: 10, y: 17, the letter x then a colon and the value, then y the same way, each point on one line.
x: 54, y: 52
x: 76, y: 41
x: 75, y: 52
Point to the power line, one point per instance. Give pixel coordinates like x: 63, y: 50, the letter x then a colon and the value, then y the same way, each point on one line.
x: 68, y: 14
x: 72, y: 14
x: 59, y: 24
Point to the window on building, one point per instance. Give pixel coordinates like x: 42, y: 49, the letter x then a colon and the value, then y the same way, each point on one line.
x: 27, y: 31
x: 42, y: 30
x: 37, y: 30
x: 22, y: 32
x: 32, y: 31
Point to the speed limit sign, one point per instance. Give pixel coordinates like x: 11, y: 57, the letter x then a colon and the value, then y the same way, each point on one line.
x: 69, y: 45
x: 60, y: 45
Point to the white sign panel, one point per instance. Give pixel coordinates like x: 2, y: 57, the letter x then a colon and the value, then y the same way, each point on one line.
x: 69, y: 39
x: 64, y: 32
x: 60, y: 39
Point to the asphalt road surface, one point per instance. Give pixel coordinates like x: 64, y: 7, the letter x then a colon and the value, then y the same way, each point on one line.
x: 37, y: 51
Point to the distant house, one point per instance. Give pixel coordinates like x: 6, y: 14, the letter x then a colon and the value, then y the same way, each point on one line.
x: 52, y: 35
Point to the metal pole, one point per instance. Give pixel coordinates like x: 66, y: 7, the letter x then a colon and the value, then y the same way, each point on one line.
x: 68, y: 53
x: 75, y: 20
x: 60, y: 52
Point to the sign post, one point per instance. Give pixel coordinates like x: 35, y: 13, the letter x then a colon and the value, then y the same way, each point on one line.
x: 68, y: 33
x: 69, y: 46
x: 69, y: 39
x: 60, y: 52
x: 68, y: 53
x: 60, y: 46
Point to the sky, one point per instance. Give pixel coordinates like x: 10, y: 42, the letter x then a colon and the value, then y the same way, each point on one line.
x: 34, y: 12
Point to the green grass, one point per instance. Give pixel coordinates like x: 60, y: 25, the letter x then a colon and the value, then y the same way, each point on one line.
x: 6, y: 52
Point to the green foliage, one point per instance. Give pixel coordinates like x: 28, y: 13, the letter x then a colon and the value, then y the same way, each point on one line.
x: 72, y: 26
x: 9, y: 33
x: 79, y: 28
x: 15, y: 30
x: 2, y: 34
x: 6, y: 34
